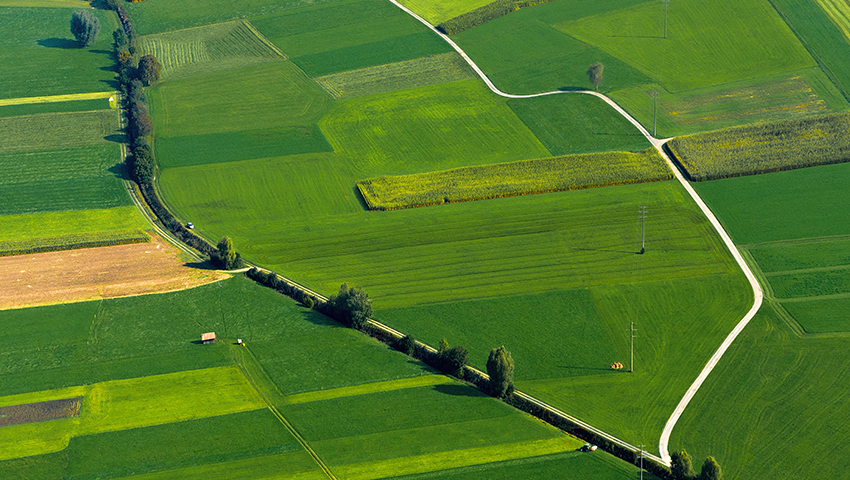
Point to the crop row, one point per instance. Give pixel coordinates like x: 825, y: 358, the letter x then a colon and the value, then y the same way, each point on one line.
x: 543, y: 175
x: 430, y: 70
x: 484, y: 14
x: 72, y: 241
x: 763, y: 148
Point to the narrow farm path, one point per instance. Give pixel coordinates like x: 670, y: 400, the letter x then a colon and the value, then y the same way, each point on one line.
x: 658, y: 144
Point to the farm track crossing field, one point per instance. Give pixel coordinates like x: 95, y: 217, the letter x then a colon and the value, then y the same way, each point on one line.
x: 40, y: 56
x: 420, y: 72
x: 764, y: 148
x: 517, y: 178
x: 207, y: 49
x: 704, y: 46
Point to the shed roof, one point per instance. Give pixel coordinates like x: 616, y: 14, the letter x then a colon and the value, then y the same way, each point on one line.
x: 208, y: 336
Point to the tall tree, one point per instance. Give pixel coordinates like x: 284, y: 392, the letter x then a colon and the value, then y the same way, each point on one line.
x: 710, y: 470
x: 85, y: 27
x: 500, y: 368
x: 682, y: 466
x: 226, y: 254
x: 354, y: 305
x: 594, y: 72
x: 149, y: 68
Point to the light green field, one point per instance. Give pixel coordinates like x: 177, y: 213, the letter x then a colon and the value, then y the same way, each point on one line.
x: 72, y: 241
x: 429, y: 128
x: 132, y: 403
x: 40, y: 56
x: 527, y: 177
x: 24, y: 227
x: 46, y: 3
x: 442, y: 68
x: 261, y: 111
x: 207, y: 49
x: 704, y: 45
x: 439, y: 11
x: 804, y: 93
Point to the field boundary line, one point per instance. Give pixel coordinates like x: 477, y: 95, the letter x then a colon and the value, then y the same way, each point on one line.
x: 263, y: 38
x: 56, y: 98
x: 758, y: 295
x: 250, y: 378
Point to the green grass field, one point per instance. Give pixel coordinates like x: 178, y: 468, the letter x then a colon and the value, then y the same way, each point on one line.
x: 72, y: 241
x: 420, y: 72
x: 408, y: 131
x: 207, y: 49
x: 522, y: 54
x: 58, y: 130
x: 254, y: 112
x: 528, y: 177
x: 54, y: 107
x: 577, y: 123
x: 41, y: 56
x: 771, y: 400
x: 704, y: 45
x: 25, y: 227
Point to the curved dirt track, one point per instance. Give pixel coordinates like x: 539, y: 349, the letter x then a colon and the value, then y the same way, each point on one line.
x: 758, y: 295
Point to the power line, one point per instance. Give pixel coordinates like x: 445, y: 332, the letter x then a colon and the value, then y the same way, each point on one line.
x: 654, y: 95
x: 642, y: 216
x: 665, y: 2
x: 631, y: 331
x: 641, y: 447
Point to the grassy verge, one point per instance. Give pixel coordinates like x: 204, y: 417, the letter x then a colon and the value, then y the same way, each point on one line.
x: 72, y: 241
x: 517, y: 178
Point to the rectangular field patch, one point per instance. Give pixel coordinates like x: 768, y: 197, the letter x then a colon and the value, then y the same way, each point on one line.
x: 72, y: 241
x: 420, y: 72
x: 210, y: 48
x: 517, y: 178
x: 770, y: 147
x: 40, y: 411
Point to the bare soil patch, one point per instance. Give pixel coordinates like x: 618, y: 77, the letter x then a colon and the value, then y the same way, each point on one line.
x: 96, y: 273
x: 40, y: 411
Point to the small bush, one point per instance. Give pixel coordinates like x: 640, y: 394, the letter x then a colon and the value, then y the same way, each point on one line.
x: 405, y: 344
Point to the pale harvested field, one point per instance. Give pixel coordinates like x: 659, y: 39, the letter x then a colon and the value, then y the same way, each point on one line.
x: 95, y: 273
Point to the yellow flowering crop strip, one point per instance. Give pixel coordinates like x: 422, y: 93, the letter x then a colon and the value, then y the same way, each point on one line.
x: 527, y: 177
x: 55, y: 98
x: 763, y: 148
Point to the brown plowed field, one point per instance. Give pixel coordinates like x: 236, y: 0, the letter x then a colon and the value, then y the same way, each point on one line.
x: 95, y: 273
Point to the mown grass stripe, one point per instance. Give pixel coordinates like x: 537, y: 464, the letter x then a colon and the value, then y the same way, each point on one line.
x: 56, y: 98
x: 455, y: 458
x: 389, y: 385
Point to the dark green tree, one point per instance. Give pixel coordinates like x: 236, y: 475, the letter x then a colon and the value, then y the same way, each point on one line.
x: 354, y: 305
x: 148, y: 70
x: 443, y: 346
x: 227, y: 256
x: 452, y: 360
x: 594, y: 72
x: 500, y: 368
x: 143, y: 164
x: 710, y: 470
x: 85, y: 27
x: 405, y: 345
x: 682, y: 466
x: 120, y: 38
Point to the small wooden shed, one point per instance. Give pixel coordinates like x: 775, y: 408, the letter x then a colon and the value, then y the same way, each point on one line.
x: 208, y: 338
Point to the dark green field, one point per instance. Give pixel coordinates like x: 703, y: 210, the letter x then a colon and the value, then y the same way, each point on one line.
x: 40, y: 56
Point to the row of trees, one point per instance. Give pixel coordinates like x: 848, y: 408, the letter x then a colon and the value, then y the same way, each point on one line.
x: 682, y: 468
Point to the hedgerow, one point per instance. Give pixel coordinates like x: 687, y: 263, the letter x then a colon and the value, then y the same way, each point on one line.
x: 72, y: 241
x: 527, y: 177
x: 762, y: 148
x: 484, y: 14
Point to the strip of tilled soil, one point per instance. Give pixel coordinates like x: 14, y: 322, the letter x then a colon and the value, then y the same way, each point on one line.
x: 95, y: 273
x: 40, y: 412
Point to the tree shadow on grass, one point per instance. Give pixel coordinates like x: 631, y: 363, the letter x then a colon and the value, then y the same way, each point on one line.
x: 59, y: 43
x: 205, y: 265
x: 458, y: 390
x: 317, y: 318
x: 113, y: 84
x: 119, y: 171
x: 573, y: 88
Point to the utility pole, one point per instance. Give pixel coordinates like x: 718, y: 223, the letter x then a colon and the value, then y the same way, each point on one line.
x: 631, y: 331
x: 654, y: 95
x: 665, y: 2
x: 642, y: 216
x: 641, y: 460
